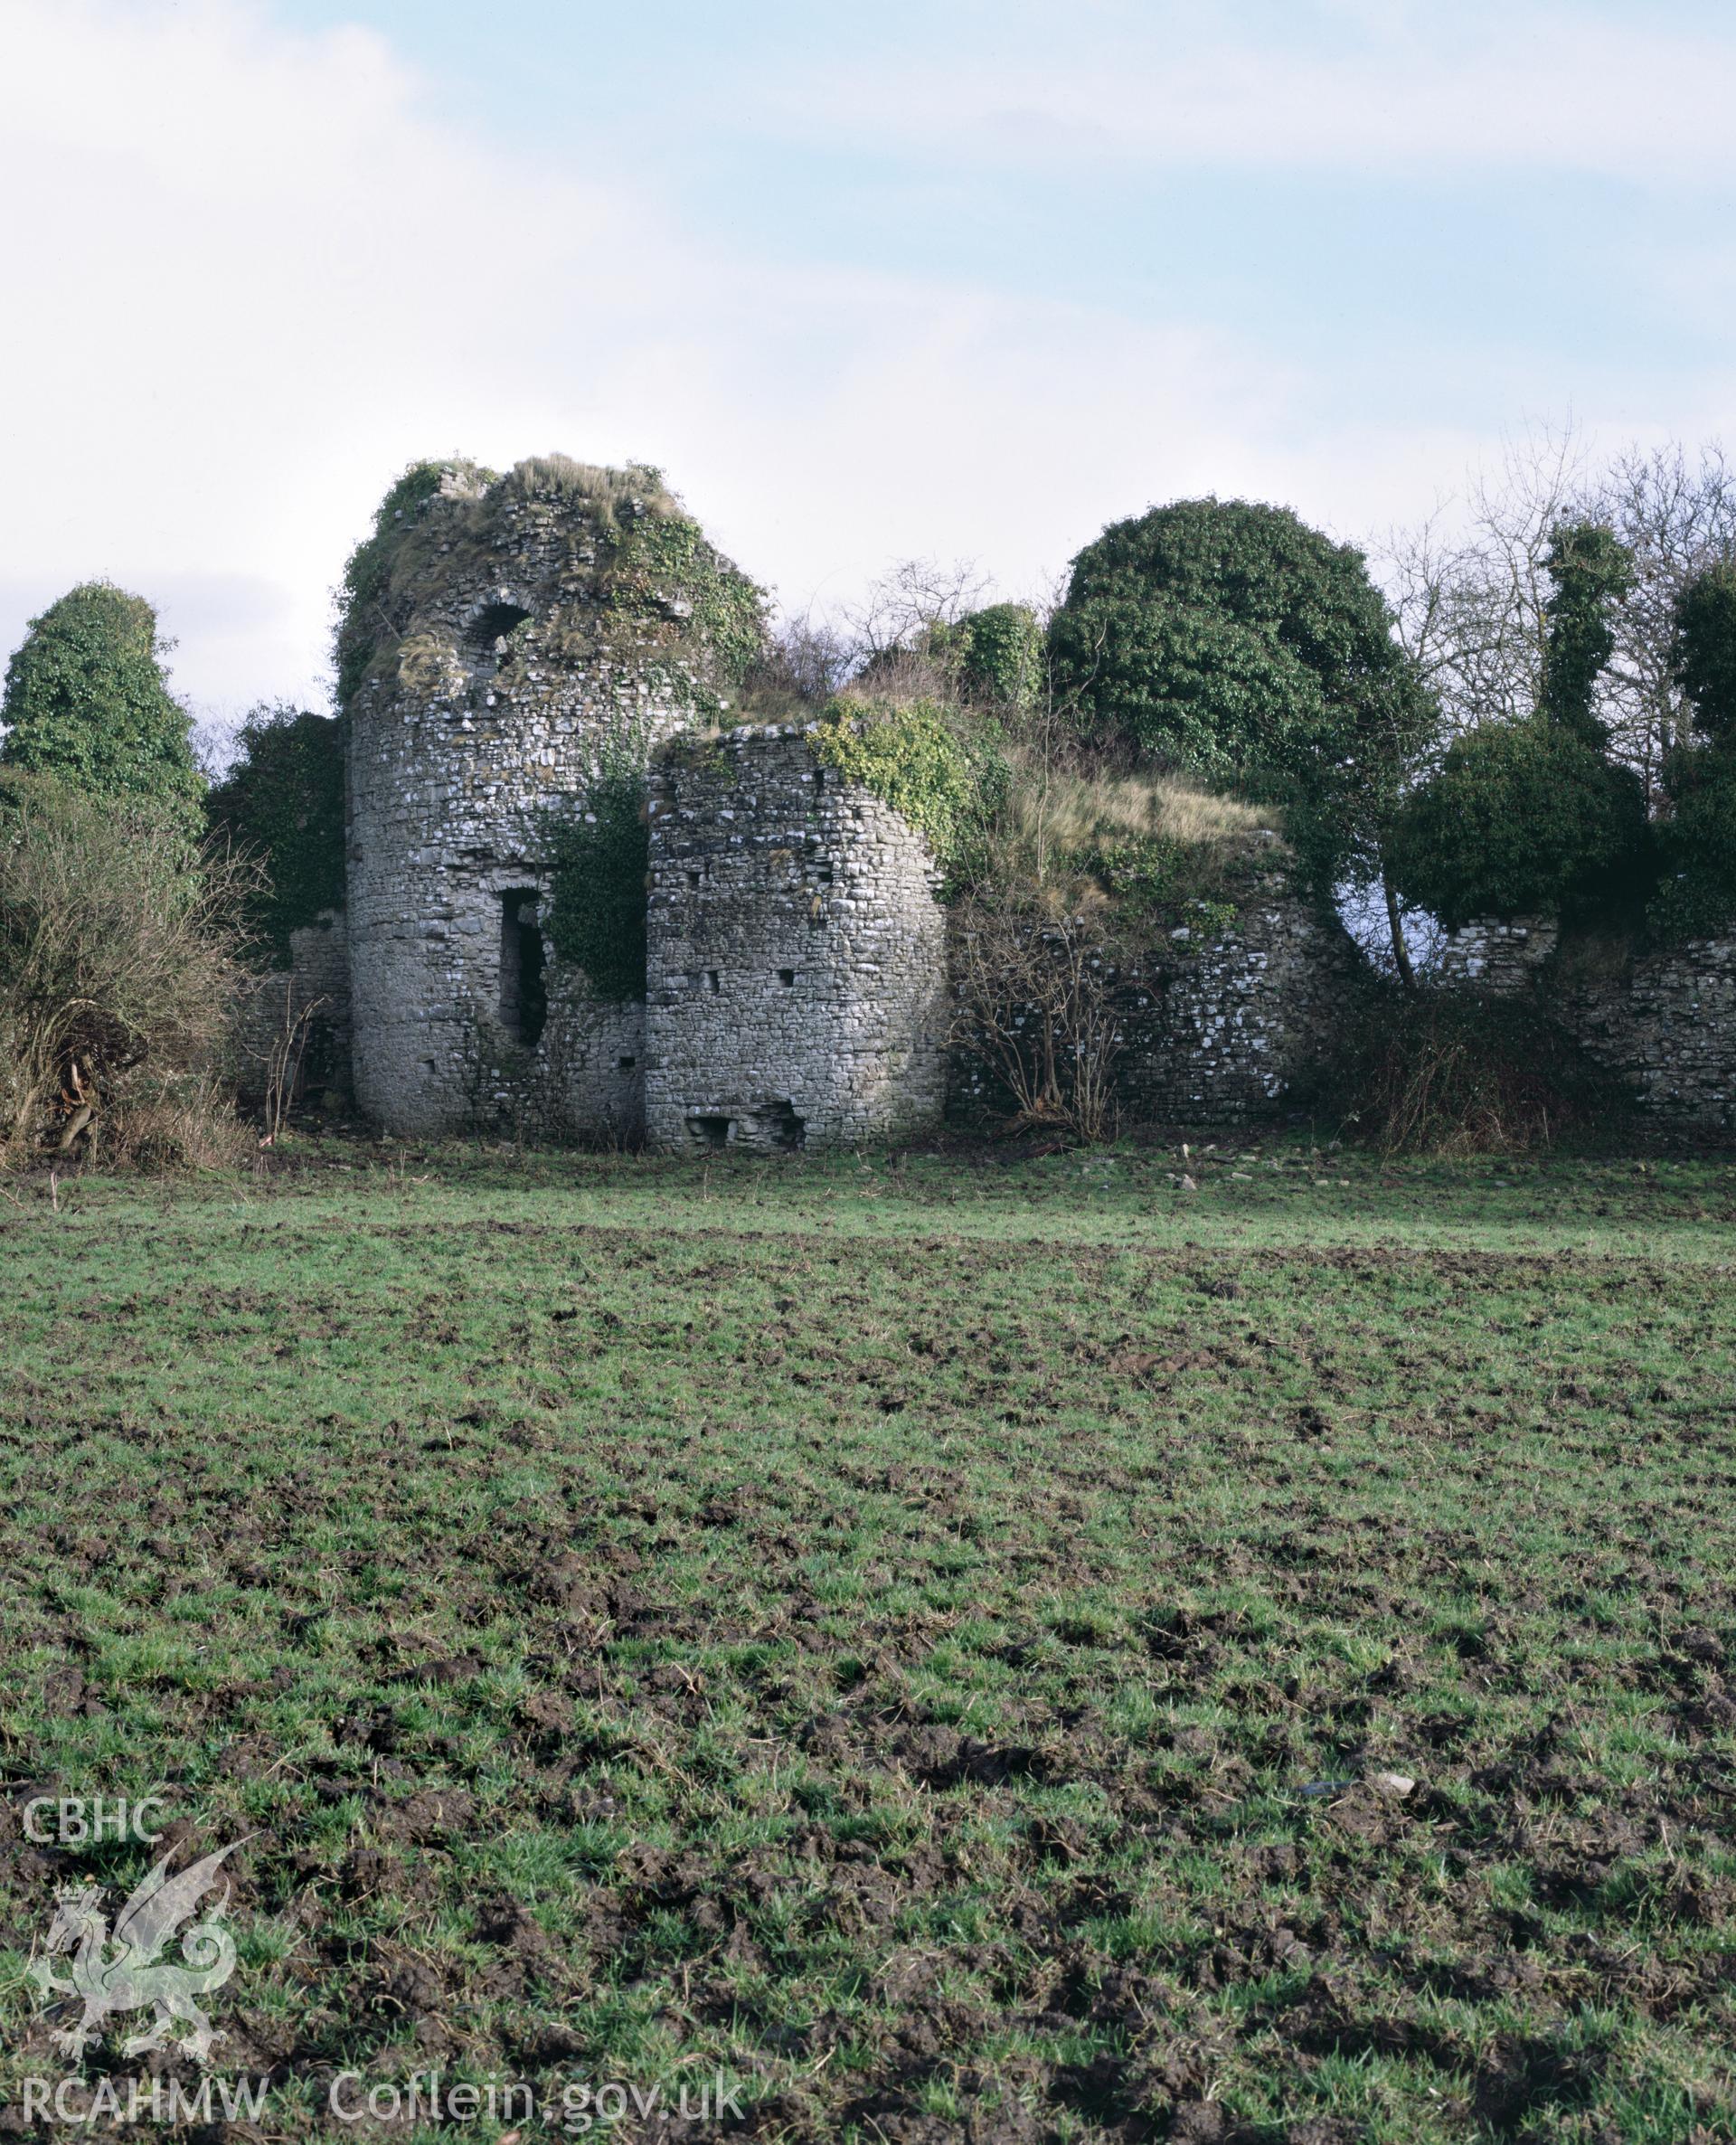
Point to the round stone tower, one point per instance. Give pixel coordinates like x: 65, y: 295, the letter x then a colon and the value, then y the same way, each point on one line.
x: 506, y: 640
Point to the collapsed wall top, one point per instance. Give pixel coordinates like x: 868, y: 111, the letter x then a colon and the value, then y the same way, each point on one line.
x: 502, y: 641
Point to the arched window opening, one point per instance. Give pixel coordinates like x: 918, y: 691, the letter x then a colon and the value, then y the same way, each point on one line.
x: 493, y: 621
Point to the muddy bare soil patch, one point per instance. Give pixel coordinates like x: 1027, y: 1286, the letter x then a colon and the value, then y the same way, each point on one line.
x: 949, y: 1689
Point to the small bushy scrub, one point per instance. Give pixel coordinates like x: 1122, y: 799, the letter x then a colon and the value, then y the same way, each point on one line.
x: 119, y: 958
x: 1453, y: 1072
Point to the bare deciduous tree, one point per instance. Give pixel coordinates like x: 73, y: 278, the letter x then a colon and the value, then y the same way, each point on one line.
x: 1036, y: 1005
x: 1468, y: 587
x: 1676, y: 517
x: 1472, y: 595
x: 908, y: 601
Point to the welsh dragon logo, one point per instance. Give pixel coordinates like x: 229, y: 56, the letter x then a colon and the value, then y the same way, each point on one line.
x: 121, y: 1971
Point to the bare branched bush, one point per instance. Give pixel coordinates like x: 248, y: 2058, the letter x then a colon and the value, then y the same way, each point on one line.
x: 1035, y: 1003
x: 281, y: 1060
x: 1452, y: 1073
x: 803, y: 664
x: 910, y: 599
x: 119, y: 957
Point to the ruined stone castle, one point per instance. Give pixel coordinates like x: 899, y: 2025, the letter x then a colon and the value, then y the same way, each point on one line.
x: 517, y: 638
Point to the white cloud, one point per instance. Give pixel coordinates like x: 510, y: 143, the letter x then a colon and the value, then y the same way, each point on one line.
x: 251, y: 278
x: 1384, y: 87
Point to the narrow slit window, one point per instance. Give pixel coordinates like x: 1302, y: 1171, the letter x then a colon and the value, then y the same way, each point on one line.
x: 523, y: 991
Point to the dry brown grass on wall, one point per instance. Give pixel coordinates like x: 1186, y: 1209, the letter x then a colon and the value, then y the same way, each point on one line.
x: 1077, y: 809
x: 589, y: 483
x: 1067, y: 836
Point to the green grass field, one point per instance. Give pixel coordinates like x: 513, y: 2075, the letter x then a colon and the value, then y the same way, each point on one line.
x: 920, y: 1641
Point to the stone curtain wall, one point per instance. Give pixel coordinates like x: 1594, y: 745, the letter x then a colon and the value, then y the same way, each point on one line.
x: 1664, y: 1021
x: 1502, y: 957
x: 1237, y: 1027
x: 1220, y: 1030
x: 318, y: 974
x: 797, y: 954
x: 450, y: 766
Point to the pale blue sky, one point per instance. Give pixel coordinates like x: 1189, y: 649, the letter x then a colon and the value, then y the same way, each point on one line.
x: 962, y: 279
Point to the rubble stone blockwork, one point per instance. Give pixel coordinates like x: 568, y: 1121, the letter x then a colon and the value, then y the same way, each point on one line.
x: 316, y: 981
x: 1234, y: 1028
x: 1225, y: 1029
x: 1503, y: 957
x: 1664, y: 1021
x: 797, y: 964
x: 511, y: 675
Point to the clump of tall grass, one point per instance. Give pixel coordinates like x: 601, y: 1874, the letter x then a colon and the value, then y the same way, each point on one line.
x: 1078, y: 837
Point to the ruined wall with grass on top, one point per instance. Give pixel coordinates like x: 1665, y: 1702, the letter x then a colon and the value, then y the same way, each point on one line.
x: 796, y: 961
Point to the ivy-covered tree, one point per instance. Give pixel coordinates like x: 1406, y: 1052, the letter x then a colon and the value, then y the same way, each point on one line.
x: 283, y: 801
x: 86, y: 701
x: 1522, y: 818
x: 1234, y: 639
x: 1228, y: 635
x: 1703, y: 650
x: 1696, y: 892
x: 1590, y: 572
x: 996, y: 654
x: 1535, y: 817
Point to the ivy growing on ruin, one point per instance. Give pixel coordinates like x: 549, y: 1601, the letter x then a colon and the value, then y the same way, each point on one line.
x: 643, y: 585
x: 946, y: 777
x: 597, y: 865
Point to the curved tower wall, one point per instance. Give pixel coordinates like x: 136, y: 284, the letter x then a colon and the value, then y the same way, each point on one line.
x: 490, y: 708
x: 797, y: 984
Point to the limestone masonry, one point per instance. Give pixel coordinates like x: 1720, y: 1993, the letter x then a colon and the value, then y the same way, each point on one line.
x: 505, y: 691
x: 533, y: 632
x: 797, y: 968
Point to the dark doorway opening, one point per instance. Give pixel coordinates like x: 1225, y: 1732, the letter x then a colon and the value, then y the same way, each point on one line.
x: 523, y: 991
